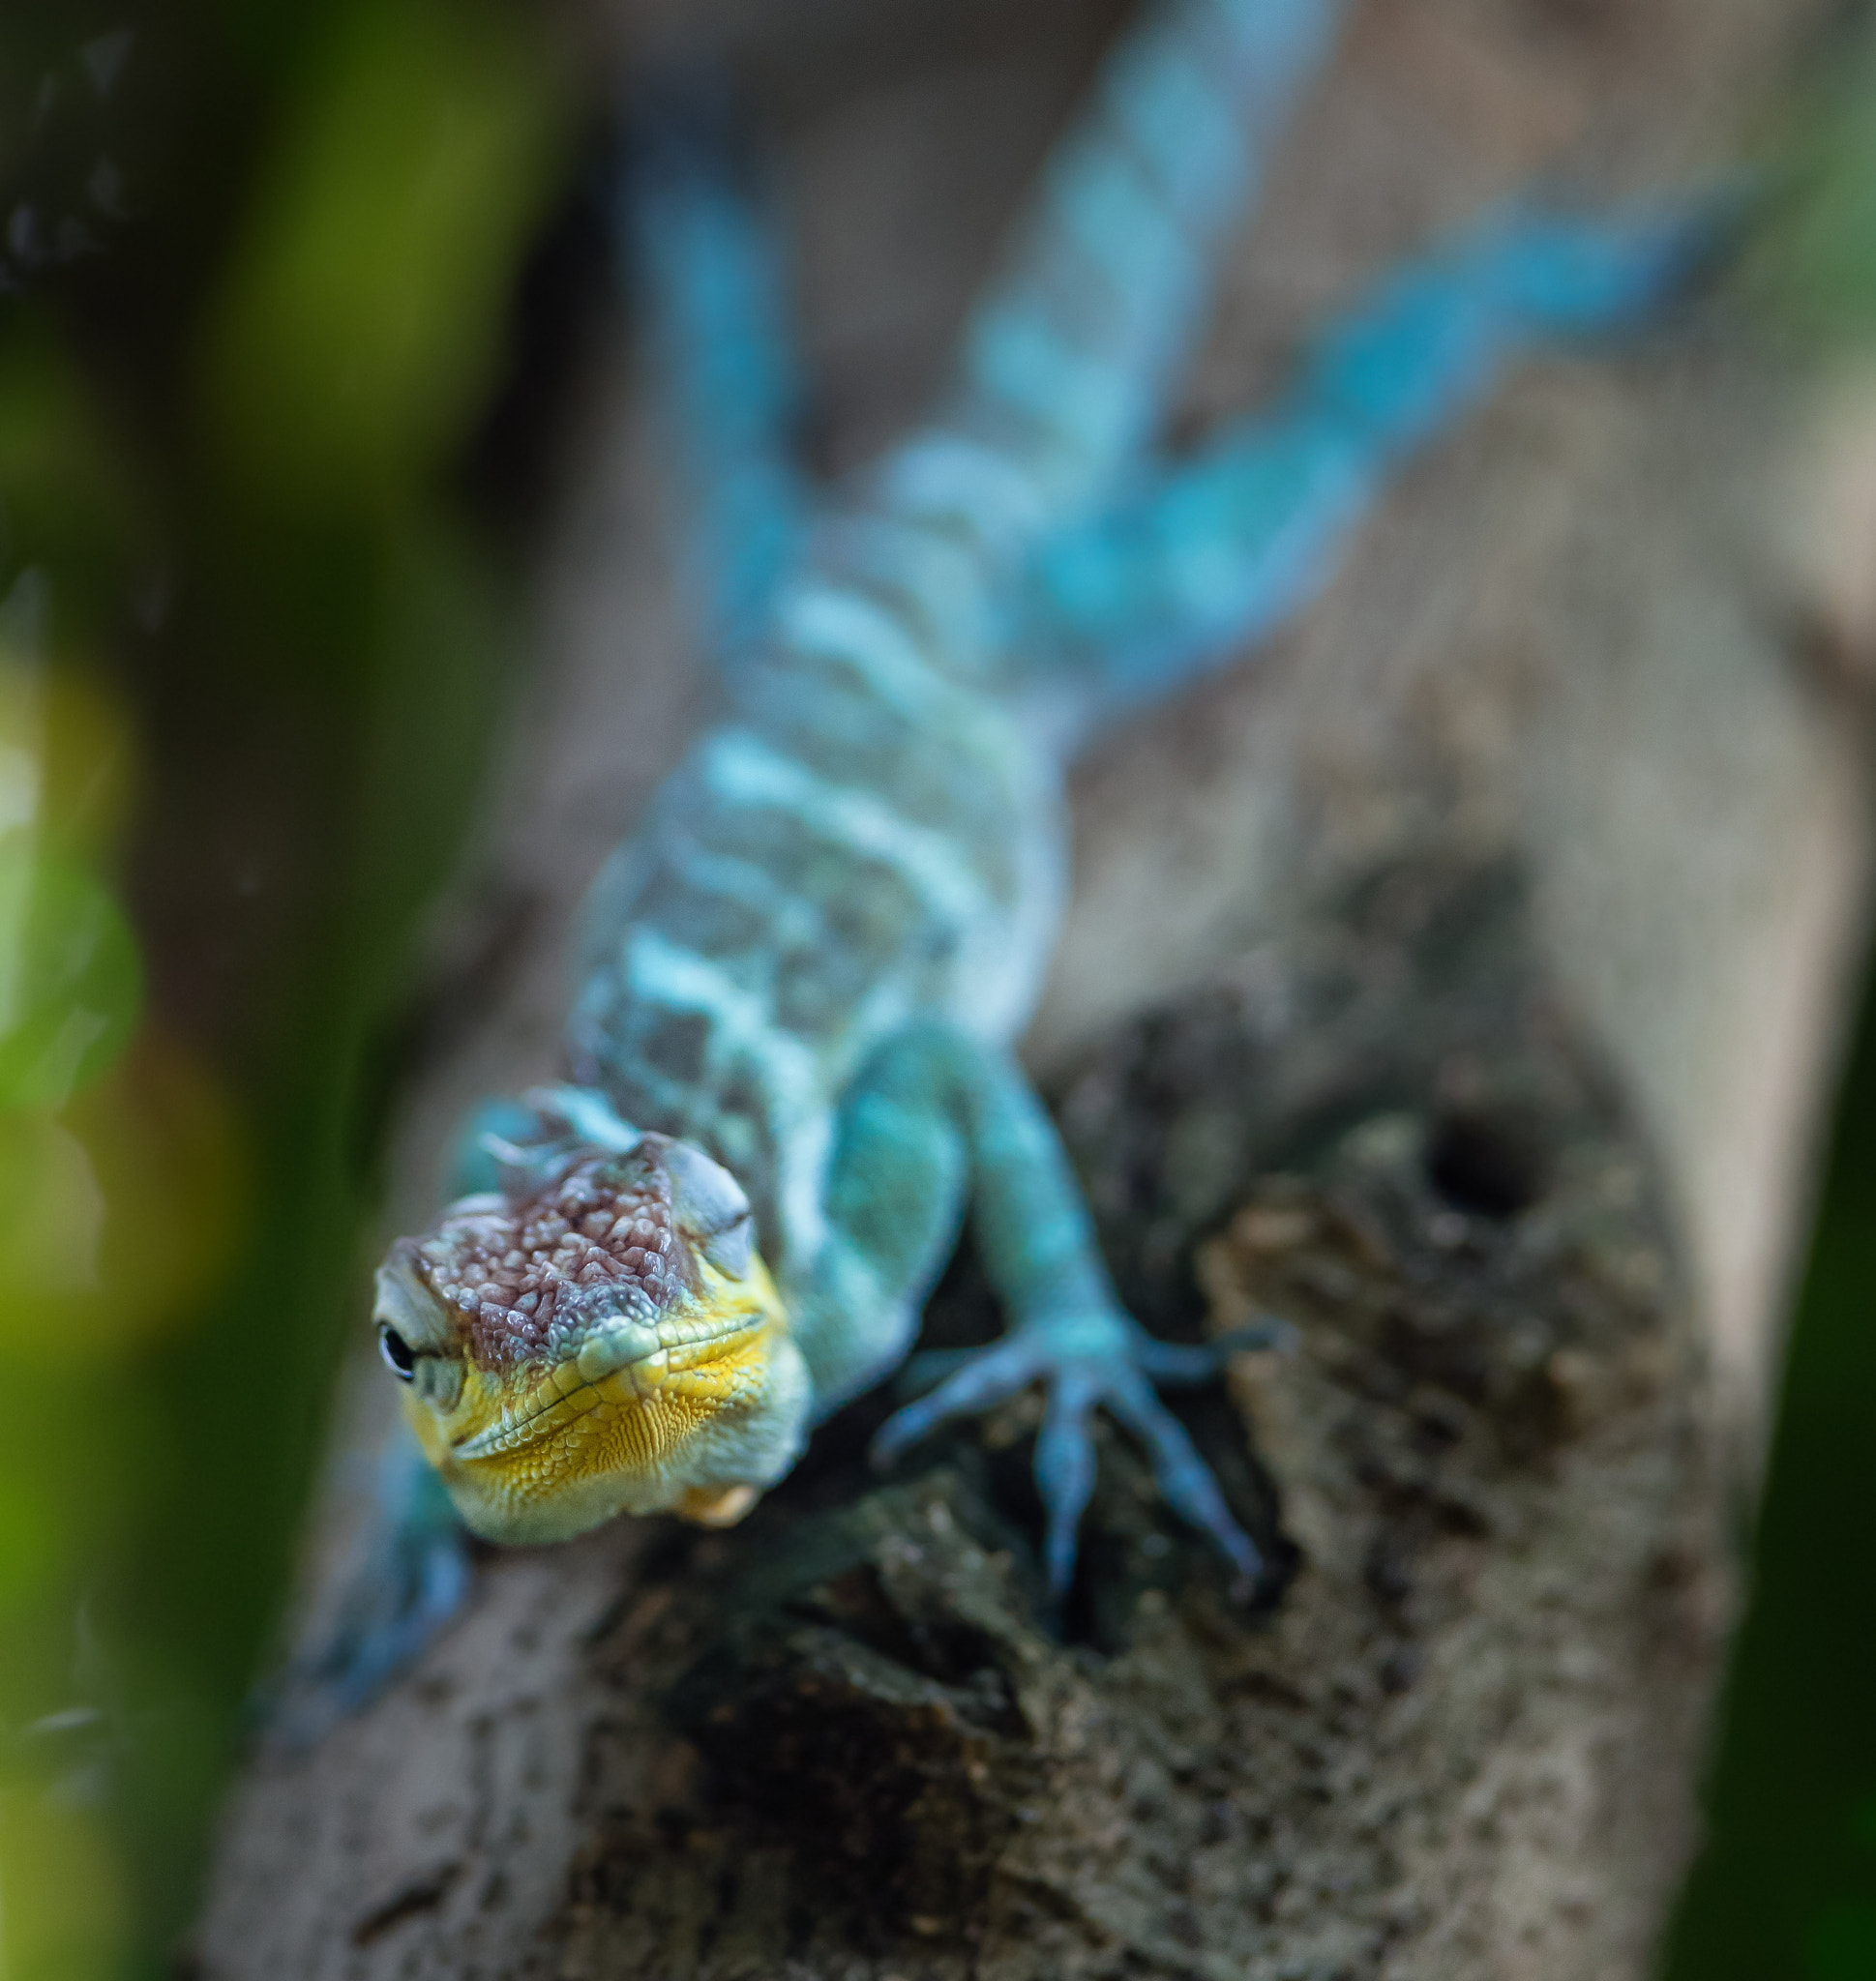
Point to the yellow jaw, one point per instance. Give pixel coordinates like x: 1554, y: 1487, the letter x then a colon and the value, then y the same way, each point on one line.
x: 637, y: 1420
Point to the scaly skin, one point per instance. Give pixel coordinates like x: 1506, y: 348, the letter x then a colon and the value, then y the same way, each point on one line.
x: 804, y: 972
x: 789, y: 1066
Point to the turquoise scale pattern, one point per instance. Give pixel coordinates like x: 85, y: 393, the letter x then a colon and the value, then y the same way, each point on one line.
x: 814, y: 958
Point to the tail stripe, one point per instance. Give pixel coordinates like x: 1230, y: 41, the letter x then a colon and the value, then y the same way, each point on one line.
x: 1181, y: 129
x: 980, y: 485
x: 1064, y: 361
x: 744, y: 770
x: 726, y: 369
x: 1220, y: 550
x: 818, y: 618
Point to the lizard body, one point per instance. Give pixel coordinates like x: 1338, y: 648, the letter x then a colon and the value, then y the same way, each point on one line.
x: 789, y: 1064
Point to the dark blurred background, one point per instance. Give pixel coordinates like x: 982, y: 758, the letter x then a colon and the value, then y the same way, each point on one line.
x: 289, y: 297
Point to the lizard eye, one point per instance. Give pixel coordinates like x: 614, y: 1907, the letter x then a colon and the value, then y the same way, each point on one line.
x: 398, y: 1353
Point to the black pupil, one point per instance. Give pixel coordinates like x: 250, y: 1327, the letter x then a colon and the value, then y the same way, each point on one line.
x: 396, y: 1352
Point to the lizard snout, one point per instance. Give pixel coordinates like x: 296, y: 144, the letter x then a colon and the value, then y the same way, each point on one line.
x: 579, y: 1343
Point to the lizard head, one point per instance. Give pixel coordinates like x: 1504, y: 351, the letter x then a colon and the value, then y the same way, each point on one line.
x: 598, y: 1337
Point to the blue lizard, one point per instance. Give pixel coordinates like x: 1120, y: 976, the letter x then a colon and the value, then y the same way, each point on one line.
x: 789, y: 1065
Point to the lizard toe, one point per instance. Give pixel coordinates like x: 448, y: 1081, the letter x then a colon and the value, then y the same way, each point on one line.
x: 1187, y: 1364
x: 1064, y: 1473
x: 1182, y: 1475
x: 985, y: 1379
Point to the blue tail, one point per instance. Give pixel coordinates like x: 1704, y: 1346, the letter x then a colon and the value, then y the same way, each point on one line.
x: 1066, y: 357
x: 707, y: 260
x: 1218, y: 552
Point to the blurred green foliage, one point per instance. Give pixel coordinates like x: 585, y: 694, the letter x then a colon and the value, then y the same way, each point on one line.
x: 356, y: 325
x: 256, y: 266
x: 1812, y: 266
x: 1786, y: 1887
x: 71, y: 976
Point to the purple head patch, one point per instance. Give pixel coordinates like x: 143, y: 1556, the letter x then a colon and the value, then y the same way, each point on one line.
x: 529, y: 1276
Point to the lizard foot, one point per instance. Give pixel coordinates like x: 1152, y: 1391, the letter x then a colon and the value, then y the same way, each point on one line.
x: 1107, y: 1361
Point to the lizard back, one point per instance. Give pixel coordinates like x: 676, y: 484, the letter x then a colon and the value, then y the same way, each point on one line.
x: 870, y: 838
x: 865, y: 838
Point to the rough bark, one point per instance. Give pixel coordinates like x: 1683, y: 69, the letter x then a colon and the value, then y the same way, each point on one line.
x: 1458, y: 981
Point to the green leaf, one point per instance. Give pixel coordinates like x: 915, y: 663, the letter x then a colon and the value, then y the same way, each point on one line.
x: 1843, y: 1944
x: 71, y: 976
x: 360, y: 320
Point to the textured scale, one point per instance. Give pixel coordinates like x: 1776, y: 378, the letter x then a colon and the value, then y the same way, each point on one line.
x: 519, y: 1271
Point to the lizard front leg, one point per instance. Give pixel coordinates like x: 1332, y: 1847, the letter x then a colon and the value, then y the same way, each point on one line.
x: 940, y: 1116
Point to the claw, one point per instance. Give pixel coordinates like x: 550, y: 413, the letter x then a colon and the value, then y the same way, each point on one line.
x: 1064, y: 1475
x: 985, y: 1379
x: 1183, y: 1476
x: 930, y: 1366
x: 1272, y: 1332
x: 1185, y: 1363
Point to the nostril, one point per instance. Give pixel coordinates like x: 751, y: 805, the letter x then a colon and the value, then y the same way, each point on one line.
x: 1492, y: 1164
